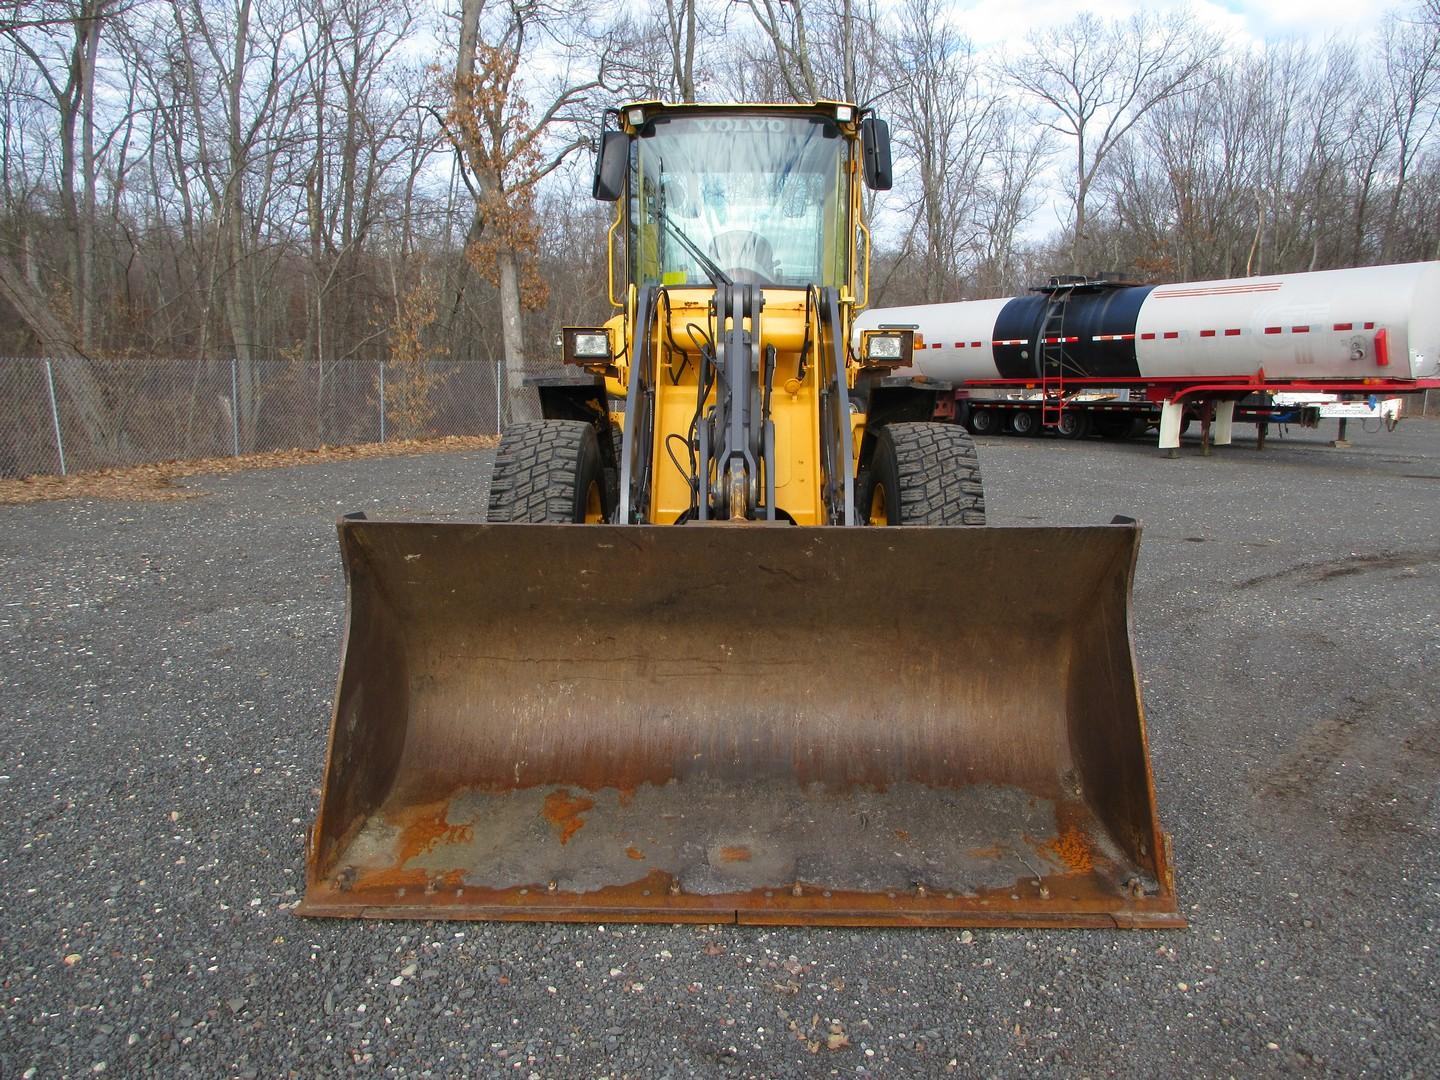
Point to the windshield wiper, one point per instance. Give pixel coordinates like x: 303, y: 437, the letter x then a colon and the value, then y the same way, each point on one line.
x: 709, y: 265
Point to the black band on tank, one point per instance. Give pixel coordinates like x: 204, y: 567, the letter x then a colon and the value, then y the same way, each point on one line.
x: 1019, y: 320
x: 1107, y: 313
x: 1101, y: 313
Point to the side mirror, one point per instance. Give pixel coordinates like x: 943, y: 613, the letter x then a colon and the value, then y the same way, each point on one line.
x: 875, y: 149
x: 610, y: 165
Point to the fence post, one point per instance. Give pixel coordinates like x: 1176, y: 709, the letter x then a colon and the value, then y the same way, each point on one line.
x: 382, y: 401
x: 235, y: 406
x: 55, y: 415
x: 499, y: 382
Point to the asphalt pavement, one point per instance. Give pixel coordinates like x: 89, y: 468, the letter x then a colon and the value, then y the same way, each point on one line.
x: 166, y: 670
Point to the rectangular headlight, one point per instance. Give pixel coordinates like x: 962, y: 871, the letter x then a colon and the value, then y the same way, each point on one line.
x: 888, y: 347
x: 882, y: 347
x: 592, y: 346
x: 586, y: 344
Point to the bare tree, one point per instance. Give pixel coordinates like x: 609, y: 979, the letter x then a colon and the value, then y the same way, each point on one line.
x: 1008, y: 200
x: 946, y: 127
x: 506, y: 151
x: 66, y: 63
x: 1182, y: 190
x: 783, y: 24
x: 366, y: 140
x: 657, y: 51
x: 239, y: 75
x: 680, y: 27
x: 1092, y: 80
x: 1412, y: 81
x: 63, y: 319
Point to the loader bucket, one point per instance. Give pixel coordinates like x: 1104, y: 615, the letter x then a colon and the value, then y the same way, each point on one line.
x: 739, y: 723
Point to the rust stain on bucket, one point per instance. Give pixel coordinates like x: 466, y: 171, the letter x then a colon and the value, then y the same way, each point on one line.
x: 1073, y: 850
x: 563, y: 811
x: 424, y: 826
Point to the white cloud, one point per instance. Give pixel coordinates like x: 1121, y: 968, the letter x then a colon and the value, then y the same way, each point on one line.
x: 1004, y: 24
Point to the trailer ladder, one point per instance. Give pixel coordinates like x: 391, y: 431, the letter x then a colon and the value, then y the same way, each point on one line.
x: 1052, y: 351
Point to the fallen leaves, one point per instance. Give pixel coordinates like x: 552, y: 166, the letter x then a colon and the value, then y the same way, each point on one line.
x: 156, y: 481
x: 833, y: 1038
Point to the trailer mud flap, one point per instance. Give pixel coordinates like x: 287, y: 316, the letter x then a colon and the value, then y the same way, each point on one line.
x: 766, y: 724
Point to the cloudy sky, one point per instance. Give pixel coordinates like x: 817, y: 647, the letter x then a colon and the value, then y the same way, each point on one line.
x: 997, y: 22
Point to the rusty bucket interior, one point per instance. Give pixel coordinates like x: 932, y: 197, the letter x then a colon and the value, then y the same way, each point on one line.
x: 927, y: 726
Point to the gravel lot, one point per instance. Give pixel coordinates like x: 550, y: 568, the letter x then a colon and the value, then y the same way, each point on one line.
x: 165, y: 679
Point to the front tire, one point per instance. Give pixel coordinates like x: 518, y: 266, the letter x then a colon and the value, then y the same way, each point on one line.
x: 923, y: 474
x: 549, y: 470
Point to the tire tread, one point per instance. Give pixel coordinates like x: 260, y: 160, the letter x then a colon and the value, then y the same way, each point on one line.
x: 940, y: 481
x: 535, y: 467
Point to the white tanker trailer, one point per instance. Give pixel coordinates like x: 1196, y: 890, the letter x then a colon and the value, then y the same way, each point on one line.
x: 1077, y: 345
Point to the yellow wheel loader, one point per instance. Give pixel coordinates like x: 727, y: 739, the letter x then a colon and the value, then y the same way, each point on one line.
x: 734, y: 644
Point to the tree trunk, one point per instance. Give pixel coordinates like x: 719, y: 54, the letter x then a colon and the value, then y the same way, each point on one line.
x: 1081, y: 190
x: 240, y: 313
x: 523, y: 403
x: 73, y: 371
x: 85, y: 282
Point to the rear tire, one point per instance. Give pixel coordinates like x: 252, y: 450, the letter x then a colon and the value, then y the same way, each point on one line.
x: 1026, y: 423
x: 1073, y: 424
x: 923, y: 474
x: 983, y: 422
x: 549, y: 470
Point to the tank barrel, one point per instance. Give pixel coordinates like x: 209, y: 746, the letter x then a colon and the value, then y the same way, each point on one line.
x: 1371, y: 322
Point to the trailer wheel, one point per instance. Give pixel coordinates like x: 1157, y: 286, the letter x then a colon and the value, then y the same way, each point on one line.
x: 923, y: 474
x: 1073, y: 424
x: 983, y: 422
x: 1026, y: 422
x: 549, y: 470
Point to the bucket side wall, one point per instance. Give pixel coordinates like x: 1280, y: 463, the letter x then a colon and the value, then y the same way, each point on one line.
x: 370, y: 723
x: 1107, y: 724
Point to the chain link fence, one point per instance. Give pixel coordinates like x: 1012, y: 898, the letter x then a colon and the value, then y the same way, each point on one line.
x: 63, y: 416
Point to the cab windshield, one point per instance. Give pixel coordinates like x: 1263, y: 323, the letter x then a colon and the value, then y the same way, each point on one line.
x: 754, y: 199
